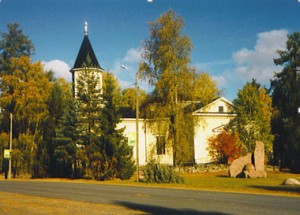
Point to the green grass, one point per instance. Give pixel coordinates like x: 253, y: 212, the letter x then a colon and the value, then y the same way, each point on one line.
x: 220, y: 181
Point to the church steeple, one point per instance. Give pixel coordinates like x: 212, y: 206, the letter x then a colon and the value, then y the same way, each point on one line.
x: 85, y: 51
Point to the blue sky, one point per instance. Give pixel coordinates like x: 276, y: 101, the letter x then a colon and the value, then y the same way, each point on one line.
x: 233, y: 40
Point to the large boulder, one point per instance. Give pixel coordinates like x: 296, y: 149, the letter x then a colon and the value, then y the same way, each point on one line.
x: 291, y: 181
x: 245, y: 168
x: 249, y: 167
x: 238, y: 165
x: 255, y: 174
x: 259, y: 156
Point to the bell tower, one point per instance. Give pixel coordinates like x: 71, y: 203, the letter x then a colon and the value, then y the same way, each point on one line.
x: 85, y: 54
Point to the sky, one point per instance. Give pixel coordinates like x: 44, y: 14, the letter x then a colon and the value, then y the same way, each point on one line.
x: 235, y: 41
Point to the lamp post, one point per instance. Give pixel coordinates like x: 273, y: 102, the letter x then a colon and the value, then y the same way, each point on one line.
x: 136, y: 121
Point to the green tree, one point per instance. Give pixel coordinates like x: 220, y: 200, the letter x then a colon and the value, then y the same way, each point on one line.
x: 204, y: 88
x: 4, y: 139
x: 24, y: 93
x: 28, y: 89
x: 58, y: 104
x: 253, y: 121
x: 112, y: 155
x: 285, y: 88
x: 166, y: 64
x: 167, y: 57
x: 65, y: 142
x: 24, y: 154
x: 14, y: 44
x: 128, y: 101
x: 117, y: 96
x: 89, y: 102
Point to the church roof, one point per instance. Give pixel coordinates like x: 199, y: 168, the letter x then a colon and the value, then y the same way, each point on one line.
x: 85, y: 51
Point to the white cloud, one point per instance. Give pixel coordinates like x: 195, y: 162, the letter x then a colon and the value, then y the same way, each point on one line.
x: 60, y: 69
x: 133, y: 55
x: 220, y: 80
x: 258, y: 63
x: 208, y: 66
x: 131, y: 61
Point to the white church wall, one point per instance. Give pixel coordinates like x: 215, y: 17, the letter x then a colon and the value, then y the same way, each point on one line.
x: 147, y: 142
x: 208, y: 127
x: 210, y: 121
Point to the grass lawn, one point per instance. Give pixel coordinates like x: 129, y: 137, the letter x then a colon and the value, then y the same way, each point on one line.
x: 218, y: 181
x: 221, y: 182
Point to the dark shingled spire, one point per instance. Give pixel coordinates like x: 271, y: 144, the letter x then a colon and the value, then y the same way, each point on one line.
x: 84, y: 51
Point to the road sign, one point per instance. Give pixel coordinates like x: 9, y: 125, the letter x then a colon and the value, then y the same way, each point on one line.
x: 131, y: 139
x: 7, y: 153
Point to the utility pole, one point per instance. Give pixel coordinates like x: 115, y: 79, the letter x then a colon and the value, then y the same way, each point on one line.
x: 137, y: 125
x: 10, y: 144
x: 136, y: 122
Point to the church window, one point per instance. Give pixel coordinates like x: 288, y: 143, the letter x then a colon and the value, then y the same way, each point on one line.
x: 221, y: 109
x: 160, y: 145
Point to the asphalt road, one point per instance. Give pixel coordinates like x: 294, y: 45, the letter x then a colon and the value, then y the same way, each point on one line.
x: 157, y: 200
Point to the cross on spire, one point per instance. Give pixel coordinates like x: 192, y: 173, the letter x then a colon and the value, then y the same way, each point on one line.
x: 85, y: 28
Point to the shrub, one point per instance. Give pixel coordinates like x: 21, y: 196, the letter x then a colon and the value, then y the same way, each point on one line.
x: 224, y: 147
x: 158, y: 173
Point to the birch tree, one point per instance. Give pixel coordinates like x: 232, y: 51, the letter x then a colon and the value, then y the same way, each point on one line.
x: 167, y: 66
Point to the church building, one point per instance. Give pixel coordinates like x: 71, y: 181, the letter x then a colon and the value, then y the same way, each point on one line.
x: 210, y: 119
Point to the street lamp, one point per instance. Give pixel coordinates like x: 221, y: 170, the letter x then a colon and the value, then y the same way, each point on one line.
x: 136, y: 121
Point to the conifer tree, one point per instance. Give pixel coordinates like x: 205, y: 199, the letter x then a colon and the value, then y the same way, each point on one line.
x: 14, y: 44
x: 285, y: 89
x: 116, y: 158
x: 89, y: 102
x: 64, y: 153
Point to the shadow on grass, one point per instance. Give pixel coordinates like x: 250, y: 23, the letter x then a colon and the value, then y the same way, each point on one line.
x: 150, y: 209
x: 222, y: 176
x: 281, y: 188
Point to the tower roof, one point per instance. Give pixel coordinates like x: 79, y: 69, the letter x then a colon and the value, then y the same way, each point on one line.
x: 85, y: 51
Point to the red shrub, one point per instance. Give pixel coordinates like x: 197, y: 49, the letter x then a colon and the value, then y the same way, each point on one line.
x: 224, y: 147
